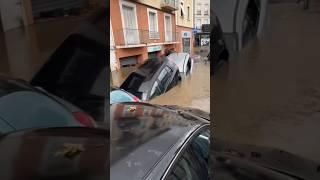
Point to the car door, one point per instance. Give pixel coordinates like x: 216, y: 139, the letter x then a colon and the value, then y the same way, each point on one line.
x: 164, y: 78
x: 192, y: 162
x: 175, y: 80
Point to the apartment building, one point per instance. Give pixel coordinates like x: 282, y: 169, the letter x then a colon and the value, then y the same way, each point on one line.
x: 184, y: 20
x: 142, y: 29
x: 201, y: 13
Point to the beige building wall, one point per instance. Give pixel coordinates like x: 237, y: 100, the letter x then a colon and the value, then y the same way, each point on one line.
x: 184, y: 16
x: 201, y: 13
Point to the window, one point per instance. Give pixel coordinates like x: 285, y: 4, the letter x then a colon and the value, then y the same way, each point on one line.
x: 182, y: 13
x: 199, y: 9
x: 193, y: 164
x: 206, y: 21
x: 175, y: 81
x: 206, y: 9
x: 198, y: 23
x: 155, y: 91
x: 129, y: 23
x: 164, y: 77
x: 189, y: 13
x: 153, y: 24
x: 168, y: 27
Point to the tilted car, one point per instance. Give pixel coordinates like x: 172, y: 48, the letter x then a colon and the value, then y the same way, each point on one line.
x: 241, y: 20
x: 183, y: 61
x: 77, y: 70
x: 219, y: 51
x: 118, y: 95
x: 157, y: 142
x: 153, y: 78
x: 23, y: 106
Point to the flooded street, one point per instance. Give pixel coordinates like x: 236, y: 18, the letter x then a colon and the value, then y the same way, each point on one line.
x: 193, y: 91
x: 269, y: 93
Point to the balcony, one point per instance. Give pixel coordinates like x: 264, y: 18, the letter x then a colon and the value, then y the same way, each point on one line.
x: 170, y: 5
x: 171, y: 36
x: 129, y: 38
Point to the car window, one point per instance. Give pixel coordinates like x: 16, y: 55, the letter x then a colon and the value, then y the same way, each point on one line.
x: 155, y: 91
x: 193, y: 164
x: 166, y: 79
x: 175, y: 81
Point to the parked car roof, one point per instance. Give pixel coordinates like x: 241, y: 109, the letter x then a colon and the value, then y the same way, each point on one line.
x: 142, y: 134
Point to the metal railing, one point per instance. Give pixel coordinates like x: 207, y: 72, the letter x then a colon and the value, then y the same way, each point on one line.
x: 171, y: 36
x: 124, y: 37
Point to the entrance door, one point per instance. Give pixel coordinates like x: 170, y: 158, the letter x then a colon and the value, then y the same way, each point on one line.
x: 186, y: 45
x: 11, y: 14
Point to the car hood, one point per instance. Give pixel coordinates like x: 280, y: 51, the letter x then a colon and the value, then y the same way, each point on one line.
x: 55, y: 153
x: 193, y: 111
x: 234, y: 161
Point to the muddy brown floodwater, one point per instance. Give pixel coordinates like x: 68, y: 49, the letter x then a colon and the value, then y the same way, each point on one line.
x: 269, y: 93
x: 193, y: 91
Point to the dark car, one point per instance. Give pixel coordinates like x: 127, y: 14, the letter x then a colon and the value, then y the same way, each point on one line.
x: 55, y: 153
x: 153, y: 78
x: 77, y: 70
x: 157, y: 142
x: 220, y: 52
x: 118, y: 95
x: 23, y: 106
x: 232, y: 161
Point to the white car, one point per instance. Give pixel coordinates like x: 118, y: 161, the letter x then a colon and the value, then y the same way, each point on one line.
x: 183, y: 61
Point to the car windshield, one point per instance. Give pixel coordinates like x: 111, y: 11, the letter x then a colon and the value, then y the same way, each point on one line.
x: 143, y: 135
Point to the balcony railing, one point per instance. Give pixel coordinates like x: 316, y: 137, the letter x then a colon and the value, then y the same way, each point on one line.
x: 170, y: 5
x: 171, y: 36
x: 136, y: 37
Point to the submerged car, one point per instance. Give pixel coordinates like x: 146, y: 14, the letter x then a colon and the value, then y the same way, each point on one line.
x: 23, y: 106
x: 158, y: 142
x: 77, y: 70
x: 232, y: 161
x: 153, y: 78
x: 183, y: 61
x: 219, y: 51
x: 118, y: 95
x: 55, y: 153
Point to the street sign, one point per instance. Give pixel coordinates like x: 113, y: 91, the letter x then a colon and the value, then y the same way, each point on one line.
x: 154, y: 48
x: 185, y: 34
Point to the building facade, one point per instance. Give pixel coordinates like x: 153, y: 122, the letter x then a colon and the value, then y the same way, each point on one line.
x: 201, y: 13
x: 142, y: 29
x: 184, y: 22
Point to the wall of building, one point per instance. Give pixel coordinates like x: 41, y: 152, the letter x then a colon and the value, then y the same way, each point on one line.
x: 141, y: 52
x: 184, y: 20
x: 182, y: 29
x: 204, y: 4
x: 152, y: 3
